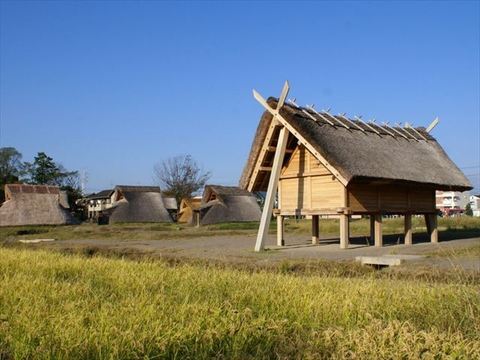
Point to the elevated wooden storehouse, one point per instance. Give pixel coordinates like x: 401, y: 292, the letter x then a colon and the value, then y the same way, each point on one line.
x: 138, y: 204
x: 324, y: 164
x: 188, y: 209
x: 34, y: 205
x: 228, y: 204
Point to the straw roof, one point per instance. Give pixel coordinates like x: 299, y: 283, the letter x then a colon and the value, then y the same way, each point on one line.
x: 170, y: 203
x: 228, y: 204
x: 138, y: 204
x: 358, y: 153
x: 34, y: 205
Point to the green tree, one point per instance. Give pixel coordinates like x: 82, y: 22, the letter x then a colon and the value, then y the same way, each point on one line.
x: 468, y: 210
x: 45, y: 171
x: 11, y: 167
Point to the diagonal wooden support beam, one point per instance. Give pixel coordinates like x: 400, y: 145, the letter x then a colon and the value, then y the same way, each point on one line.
x: 271, y: 190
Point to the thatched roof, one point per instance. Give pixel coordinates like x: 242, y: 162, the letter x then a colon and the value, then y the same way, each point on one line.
x: 138, y: 188
x: 170, y: 202
x: 138, y: 204
x: 104, y: 194
x: 360, y: 156
x: 63, y: 199
x: 33, y: 205
x: 228, y: 204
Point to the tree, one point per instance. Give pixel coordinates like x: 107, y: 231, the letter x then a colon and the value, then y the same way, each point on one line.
x: 45, y: 171
x: 468, y: 210
x: 180, y: 176
x: 10, y: 168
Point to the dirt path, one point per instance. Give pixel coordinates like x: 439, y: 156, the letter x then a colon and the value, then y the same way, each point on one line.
x: 240, y: 249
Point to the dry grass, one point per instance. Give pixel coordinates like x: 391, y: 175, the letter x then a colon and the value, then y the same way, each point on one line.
x: 137, y: 231
x: 59, y: 306
x: 449, y: 227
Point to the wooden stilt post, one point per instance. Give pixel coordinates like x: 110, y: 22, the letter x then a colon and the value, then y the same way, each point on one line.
x: 378, y: 231
x: 315, y: 229
x: 433, y: 228
x: 344, y: 231
x: 428, y: 224
x: 408, y: 229
x: 372, y: 228
x: 272, y: 189
x: 280, y: 231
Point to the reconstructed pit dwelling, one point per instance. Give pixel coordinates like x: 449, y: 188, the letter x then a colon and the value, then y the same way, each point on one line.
x: 35, y: 205
x: 324, y: 164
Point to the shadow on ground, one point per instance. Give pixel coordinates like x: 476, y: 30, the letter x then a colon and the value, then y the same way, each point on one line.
x: 388, y: 240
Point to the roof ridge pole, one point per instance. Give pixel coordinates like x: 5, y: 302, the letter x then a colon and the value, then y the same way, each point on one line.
x: 275, y: 173
x: 385, y: 125
x: 321, y: 116
x: 401, y: 132
x: 367, y: 125
x: 406, y: 132
x: 408, y: 126
x: 334, y: 118
x: 351, y: 122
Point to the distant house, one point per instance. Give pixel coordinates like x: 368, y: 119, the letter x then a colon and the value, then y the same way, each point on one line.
x: 99, y: 202
x: 34, y: 205
x: 451, y: 202
x: 188, y: 209
x: 475, y: 204
x: 137, y: 204
x: 228, y: 204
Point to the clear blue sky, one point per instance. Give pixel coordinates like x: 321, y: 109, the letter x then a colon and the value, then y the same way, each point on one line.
x: 115, y: 87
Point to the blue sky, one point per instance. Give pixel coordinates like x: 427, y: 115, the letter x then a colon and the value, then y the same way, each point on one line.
x: 112, y: 88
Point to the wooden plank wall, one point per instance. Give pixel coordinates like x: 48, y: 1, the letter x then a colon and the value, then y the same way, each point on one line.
x: 364, y: 198
x: 307, y: 184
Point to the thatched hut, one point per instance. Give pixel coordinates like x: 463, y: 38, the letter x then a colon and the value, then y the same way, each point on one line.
x: 228, y: 204
x: 137, y: 204
x: 171, y: 205
x: 34, y: 205
x: 188, y: 209
x: 324, y: 164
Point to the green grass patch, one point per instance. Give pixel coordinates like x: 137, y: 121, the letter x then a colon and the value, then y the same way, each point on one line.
x: 69, y: 307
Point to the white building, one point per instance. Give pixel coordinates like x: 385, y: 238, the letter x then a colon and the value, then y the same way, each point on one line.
x: 99, y: 202
x: 451, y: 202
x: 475, y: 204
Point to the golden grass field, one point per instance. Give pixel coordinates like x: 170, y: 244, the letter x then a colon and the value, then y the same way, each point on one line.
x: 67, y: 307
x: 55, y: 305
